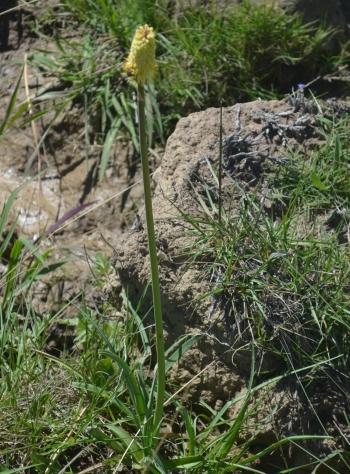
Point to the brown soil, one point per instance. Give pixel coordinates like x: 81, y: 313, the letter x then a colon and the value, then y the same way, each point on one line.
x: 68, y: 174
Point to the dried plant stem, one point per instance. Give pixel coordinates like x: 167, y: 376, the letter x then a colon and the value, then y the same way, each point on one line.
x: 35, y: 135
x: 157, y: 307
x: 220, y: 168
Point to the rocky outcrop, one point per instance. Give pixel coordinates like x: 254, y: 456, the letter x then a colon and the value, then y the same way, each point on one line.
x: 257, y: 137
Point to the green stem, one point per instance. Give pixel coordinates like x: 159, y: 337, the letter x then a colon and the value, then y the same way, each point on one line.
x: 157, y: 306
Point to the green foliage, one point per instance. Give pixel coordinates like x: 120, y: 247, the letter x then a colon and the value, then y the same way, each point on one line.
x: 204, y: 56
x: 13, y: 111
x: 59, y: 411
x: 247, y: 53
x: 97, y: 402
x: 323, y: 182
x: 21, y: 266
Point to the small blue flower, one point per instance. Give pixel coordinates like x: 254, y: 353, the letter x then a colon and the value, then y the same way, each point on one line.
x: 301, y: 86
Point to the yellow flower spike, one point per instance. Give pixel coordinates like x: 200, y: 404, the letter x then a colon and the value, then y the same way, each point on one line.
x: 140, y: 65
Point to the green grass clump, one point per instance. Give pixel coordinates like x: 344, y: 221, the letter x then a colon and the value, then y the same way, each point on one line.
x: 91, y: 404
x: 322, y: 183
x: 204, y: 56
x: 282, y: 271
x: 246, y: 53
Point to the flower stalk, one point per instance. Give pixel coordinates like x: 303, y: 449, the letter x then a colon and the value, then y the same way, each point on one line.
x: 141, y: 66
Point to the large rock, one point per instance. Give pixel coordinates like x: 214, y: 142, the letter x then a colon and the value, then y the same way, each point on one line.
x: 264, y: 130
